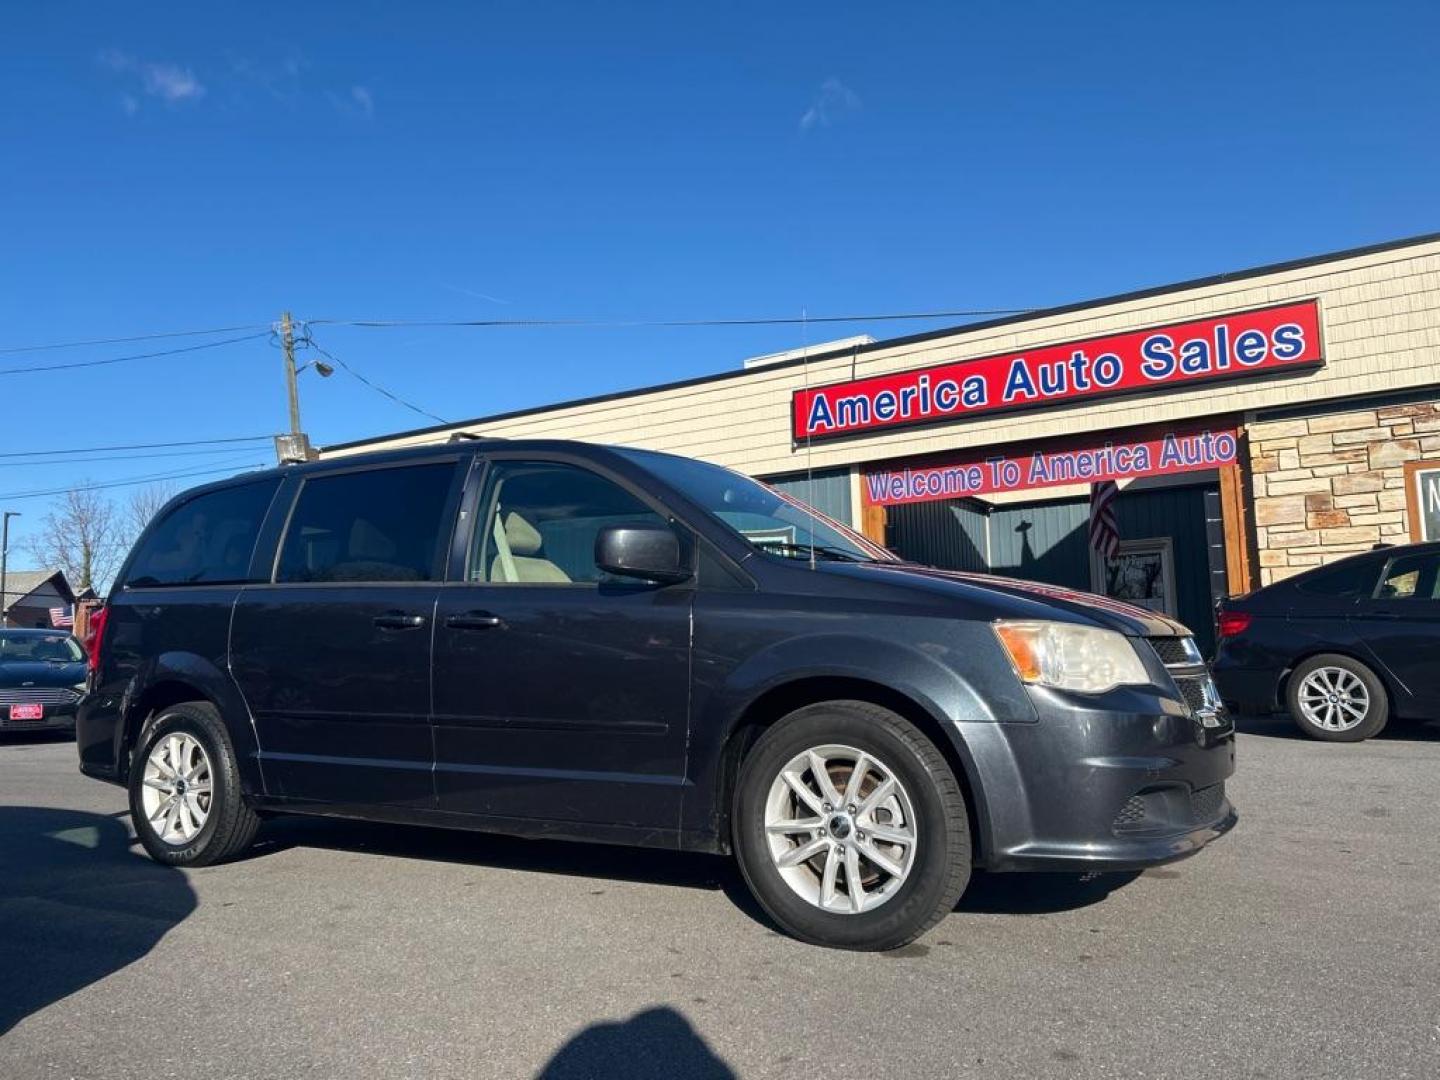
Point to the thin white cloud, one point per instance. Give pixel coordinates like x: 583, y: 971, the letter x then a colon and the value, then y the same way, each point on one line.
x: 280, y: 81
x: 170, y: 83
x: 357, y: 101
x: 239, y: 79
x: 833, y: 100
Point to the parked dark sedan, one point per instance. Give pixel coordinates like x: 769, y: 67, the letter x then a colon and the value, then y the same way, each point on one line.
x: 42, y: 675
x: 1342, y: 648
x: 559, y: 640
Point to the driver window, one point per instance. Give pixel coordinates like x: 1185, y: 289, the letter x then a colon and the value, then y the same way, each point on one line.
x: 540, y: 523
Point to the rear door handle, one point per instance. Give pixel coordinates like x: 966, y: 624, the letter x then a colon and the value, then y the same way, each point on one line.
x: 474, y: 620
x: 399, y: 620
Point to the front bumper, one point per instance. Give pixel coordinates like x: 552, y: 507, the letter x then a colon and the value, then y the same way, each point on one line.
x: 1113, y: 789
x: 54, y: 718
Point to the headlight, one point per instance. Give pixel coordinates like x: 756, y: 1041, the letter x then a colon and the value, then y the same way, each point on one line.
x: 1070, y: 657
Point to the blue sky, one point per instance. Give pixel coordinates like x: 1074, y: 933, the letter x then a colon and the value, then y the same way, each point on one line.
x: 173, y: 166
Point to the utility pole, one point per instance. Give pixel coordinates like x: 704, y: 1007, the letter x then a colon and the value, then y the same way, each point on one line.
x: 287, y: 343
x: 294, y: 447
x: 4, y: 556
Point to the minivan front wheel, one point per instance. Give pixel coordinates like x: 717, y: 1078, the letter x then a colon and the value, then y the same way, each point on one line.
x: 850, y: 827
x: 185, y: 798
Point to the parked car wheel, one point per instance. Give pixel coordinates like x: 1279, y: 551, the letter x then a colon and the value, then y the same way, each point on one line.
x: 185, y: 798
x: 1335, y: 698
x: 850, y: 827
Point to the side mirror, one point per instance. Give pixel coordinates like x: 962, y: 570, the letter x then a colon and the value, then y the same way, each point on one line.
x: 650, y: 552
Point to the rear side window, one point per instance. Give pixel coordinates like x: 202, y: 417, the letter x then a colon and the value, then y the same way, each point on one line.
x: 1410, y: 577
x: 380, y: 525
x: 1348, y: 580
x: 205, y: 540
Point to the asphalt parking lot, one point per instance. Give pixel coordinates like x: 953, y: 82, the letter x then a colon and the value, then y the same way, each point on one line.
x: 1305, y: 944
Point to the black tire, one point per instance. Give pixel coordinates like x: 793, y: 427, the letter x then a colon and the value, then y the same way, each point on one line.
x: 230, y: 824
x: 941, y: 867
x: 1376, y: 714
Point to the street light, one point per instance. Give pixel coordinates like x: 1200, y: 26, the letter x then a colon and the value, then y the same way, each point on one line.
x: 4, y: 556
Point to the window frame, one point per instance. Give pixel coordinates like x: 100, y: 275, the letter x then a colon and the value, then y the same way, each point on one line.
x: 474, y: 506
x: 1415, y: 597
x: 462, y: 466
x: 179, y: 503
x: 1364, y: 562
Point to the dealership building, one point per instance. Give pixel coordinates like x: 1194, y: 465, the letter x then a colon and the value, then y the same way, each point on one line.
x: 1256, y: 423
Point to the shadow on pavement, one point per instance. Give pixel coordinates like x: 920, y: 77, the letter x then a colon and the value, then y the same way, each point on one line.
x: 657, y: 1044
x: 1038, y: 893
x: 76, y: 905
x: 12, y: 737
x: 998, y: 894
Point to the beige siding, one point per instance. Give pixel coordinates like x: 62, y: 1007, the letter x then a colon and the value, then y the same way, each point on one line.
x: 1380, y: 315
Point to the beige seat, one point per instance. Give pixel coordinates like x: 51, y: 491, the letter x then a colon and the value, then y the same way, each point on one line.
x: 517, y: 556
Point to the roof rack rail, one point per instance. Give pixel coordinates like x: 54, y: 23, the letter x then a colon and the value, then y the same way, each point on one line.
x: 467, y: 436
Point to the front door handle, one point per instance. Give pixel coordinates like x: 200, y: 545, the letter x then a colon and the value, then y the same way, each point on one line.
x: 474, y: 620
x: 399, y: 620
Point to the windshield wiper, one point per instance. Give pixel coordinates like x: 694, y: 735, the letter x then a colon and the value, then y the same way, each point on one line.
x: 802, y: 551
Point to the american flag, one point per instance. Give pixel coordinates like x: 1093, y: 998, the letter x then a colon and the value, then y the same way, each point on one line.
x: 61, y: 618
x: 1104, y: 532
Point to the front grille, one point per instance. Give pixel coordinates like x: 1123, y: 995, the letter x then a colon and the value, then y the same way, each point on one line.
x: 1176, y: 651
x: 38, y: 695
x: 1205, y: 803
x: 1192, y: 689
x: 1171, y: 808
x: 1132, y: 813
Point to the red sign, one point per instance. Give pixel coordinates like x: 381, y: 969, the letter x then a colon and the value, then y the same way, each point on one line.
x: 1243, y: 343
x: 27, y: 712
x: 1114, y: 460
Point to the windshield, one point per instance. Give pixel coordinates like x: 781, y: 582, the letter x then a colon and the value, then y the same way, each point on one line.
x: 770, y: 520
x: 28, y: 648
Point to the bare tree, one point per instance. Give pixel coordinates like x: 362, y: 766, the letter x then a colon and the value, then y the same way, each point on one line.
x: 144, y: 504
x: 81, y: 535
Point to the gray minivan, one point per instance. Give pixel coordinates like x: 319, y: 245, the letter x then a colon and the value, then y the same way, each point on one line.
x: 554, y: 639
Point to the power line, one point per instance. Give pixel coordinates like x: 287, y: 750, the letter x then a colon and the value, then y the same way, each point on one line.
x: 43, y: 462
x: 134, y: 446
x: 136, y: 356
x: 306, y: 340
x: 151, y: 478
x: 561, y: 322
x: 133, y: 337
x: 373, y: 324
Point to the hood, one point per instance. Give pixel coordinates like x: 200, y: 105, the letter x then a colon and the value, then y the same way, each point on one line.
x: 1032, y: 599
x: 41, y: 673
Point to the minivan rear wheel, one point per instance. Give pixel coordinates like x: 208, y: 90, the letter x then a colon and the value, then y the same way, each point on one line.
x: 185, y: 797
x: 850, y: 827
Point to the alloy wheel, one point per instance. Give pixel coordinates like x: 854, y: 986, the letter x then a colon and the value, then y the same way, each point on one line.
x: 1334, y: 699
x: 176, y: 793
x: 841, y: 829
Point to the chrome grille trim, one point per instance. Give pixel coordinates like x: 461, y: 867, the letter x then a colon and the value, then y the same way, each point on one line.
x: 38, y: 695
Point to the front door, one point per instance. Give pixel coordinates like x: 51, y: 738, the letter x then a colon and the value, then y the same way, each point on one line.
x: 1400, y: 624
x: 333, y: 656
x: 561, y: 693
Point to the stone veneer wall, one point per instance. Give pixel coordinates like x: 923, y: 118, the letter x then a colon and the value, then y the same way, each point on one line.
x: 1332, y: 485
